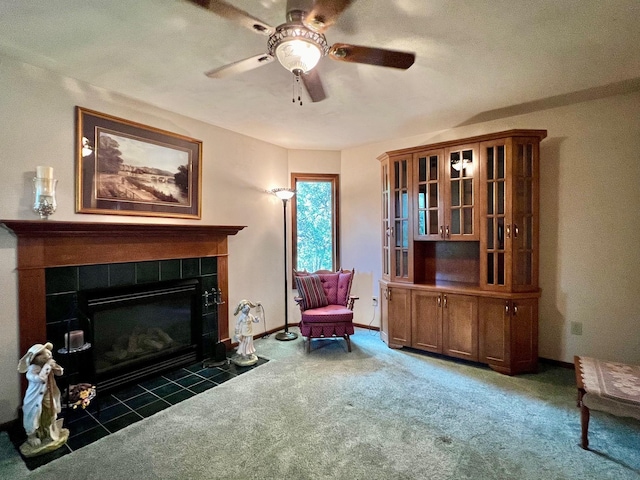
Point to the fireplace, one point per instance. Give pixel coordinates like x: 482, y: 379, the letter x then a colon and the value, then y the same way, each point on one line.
x: 114, y: 252
x: 143, y: 329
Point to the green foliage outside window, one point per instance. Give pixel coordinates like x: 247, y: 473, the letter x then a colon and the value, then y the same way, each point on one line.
x: 314, y: 219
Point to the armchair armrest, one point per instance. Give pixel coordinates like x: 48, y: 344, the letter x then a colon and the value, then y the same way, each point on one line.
x: 351, y: 300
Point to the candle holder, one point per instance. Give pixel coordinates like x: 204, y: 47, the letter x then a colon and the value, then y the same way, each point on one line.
x: 44, y: 192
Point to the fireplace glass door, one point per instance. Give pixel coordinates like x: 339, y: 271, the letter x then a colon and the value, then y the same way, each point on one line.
x: 139, y: 329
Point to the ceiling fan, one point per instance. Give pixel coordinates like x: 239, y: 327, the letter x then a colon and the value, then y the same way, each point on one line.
x: 299, y: 43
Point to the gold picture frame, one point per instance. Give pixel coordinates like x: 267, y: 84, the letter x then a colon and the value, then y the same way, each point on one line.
x: 126, y: 168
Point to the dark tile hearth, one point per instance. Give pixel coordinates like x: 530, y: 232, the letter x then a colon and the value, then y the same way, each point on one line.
x: 118, y: 409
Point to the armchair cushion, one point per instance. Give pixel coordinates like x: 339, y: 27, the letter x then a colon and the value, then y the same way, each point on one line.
x: 330, y: 287
x: 328, y: 314
x: 337, y: 286
x: 311, y: 291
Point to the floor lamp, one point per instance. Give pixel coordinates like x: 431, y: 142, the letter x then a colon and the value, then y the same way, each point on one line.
x: 285, y: 194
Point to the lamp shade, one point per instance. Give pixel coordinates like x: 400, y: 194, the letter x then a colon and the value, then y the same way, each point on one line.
x: 283, y: 193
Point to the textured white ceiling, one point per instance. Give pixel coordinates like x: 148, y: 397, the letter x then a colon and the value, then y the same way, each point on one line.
x: 476, y: 60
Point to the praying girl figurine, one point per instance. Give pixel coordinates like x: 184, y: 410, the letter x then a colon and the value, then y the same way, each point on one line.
x: 41, y: 402
x: 245, y: 353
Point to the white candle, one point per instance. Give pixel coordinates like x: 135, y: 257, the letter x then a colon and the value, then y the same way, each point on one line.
x: 44, y: 172
x: 74, y: 339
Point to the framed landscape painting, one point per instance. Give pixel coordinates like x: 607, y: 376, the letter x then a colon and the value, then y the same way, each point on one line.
x: 126, y: 168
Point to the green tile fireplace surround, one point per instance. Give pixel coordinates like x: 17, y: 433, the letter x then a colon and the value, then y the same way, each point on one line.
x: 64, y: 283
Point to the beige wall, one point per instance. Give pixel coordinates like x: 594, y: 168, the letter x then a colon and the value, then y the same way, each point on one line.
x: 589, y: 230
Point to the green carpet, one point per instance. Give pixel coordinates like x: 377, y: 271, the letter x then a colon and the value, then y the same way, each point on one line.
x: 375, y: 413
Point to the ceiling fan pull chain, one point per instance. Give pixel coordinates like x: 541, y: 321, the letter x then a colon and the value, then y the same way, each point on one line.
x: 296, y: 88
x: 299, y: 93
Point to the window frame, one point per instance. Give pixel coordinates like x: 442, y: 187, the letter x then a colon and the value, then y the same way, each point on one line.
x: 334, y: 179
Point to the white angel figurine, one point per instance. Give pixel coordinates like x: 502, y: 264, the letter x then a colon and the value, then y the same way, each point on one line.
x: 41, y: 403
x: 244, y: 334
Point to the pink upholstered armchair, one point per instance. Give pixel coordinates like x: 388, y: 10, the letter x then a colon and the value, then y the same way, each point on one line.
x: 325, y: 304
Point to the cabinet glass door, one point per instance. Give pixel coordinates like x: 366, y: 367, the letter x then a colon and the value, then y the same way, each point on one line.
x: 462, y: 167
x: 386, y: 227
x: 496, y: 223
x: 428, y: 206
x: 524, y: 202
x: 400, y: 229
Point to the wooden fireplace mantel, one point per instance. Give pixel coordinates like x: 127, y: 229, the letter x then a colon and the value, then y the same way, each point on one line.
x: 45, y: 243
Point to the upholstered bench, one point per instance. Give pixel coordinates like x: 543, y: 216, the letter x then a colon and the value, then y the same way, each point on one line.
x: 606, y: 386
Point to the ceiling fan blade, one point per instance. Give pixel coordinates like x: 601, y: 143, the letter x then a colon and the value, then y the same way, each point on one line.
x: 372, y: 56
x: 240, y: 66
x: 325, y: 13
x: 228, y: 11
x: 313, y: 85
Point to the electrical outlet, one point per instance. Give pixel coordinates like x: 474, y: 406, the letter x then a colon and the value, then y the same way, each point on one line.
x: 576, y: 328
x: 374, y: 301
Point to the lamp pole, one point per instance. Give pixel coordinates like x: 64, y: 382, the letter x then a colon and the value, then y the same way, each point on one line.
x: 285, y: 194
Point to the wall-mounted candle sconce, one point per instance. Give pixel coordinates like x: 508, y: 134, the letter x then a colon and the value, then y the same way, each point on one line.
x: 44, y: 192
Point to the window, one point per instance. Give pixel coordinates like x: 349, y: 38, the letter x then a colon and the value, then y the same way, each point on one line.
x: 315, y: 218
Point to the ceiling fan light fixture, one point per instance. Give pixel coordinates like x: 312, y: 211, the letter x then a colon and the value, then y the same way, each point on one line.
x: 298, y: 55
x: 297, y: 48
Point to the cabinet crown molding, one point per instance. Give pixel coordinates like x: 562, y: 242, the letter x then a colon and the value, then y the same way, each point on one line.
x: 539, y: 134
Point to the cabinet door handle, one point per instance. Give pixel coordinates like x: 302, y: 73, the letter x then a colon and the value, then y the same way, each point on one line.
x: 445, y: 301
x: 508, y: 228
x: 439, y: 301
x: 515, y: 310
x: 515, y: 230
x: 506, y: 308
x: 389, y: 294
x: 441, y: 232
x: 447, y: 231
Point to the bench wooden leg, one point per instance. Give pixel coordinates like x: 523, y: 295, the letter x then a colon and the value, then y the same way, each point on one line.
x: 346, y: 337
x: 584, y: 420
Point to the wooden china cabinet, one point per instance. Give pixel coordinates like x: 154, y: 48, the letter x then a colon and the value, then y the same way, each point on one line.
x: 460, y: 249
